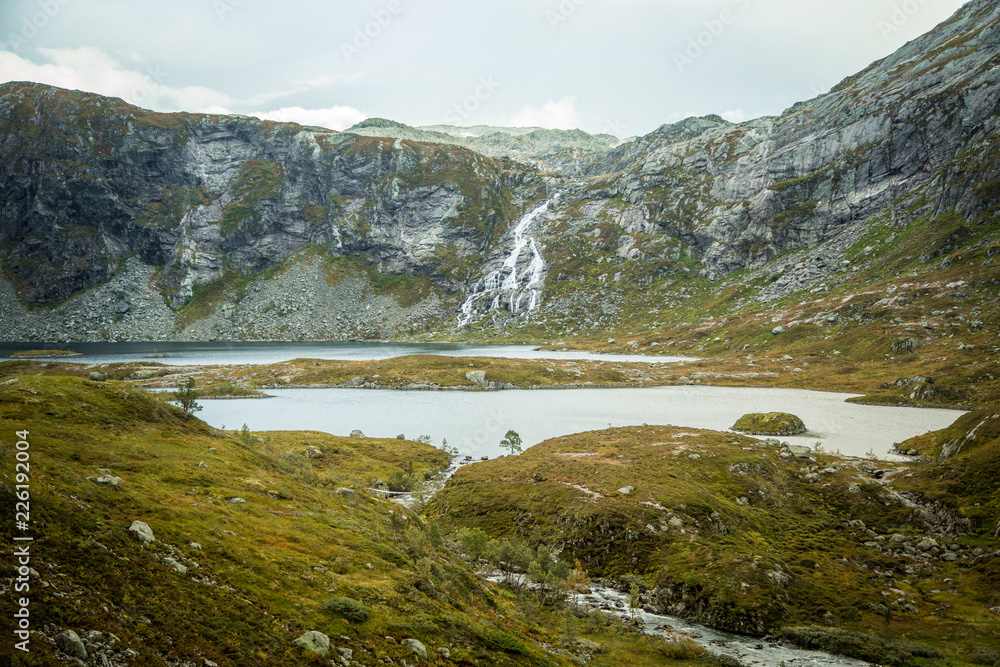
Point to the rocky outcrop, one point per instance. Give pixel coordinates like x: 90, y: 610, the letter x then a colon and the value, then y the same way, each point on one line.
x: 89, y: 181
x: 914, y: 135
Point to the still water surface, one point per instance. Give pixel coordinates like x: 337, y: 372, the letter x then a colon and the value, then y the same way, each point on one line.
x: 475, y: 422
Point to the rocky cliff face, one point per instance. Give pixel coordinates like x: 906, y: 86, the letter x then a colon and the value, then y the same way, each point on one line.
x: 902, y: 159
x: 914, y: 134
x: 88, y: 182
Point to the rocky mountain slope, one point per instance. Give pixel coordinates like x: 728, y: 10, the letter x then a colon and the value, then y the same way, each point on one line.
x: 893, y: 173
x: 89, y: 182
x: 563, y: 151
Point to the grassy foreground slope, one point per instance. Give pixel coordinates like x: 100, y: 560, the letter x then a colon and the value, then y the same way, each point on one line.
x: 742, y: 535
x: 258, y: 539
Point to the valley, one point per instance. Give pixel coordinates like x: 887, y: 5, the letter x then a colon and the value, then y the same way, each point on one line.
x: 216, y: 326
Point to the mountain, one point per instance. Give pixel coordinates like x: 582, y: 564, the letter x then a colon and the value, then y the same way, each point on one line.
x: 562, y: 151
x: 121, y: 223
x: 913, y: 134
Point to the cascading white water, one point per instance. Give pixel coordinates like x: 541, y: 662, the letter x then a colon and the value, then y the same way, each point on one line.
x: 506, y: 281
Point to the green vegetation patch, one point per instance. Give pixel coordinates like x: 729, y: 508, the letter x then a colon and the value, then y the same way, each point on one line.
x: 256, y: 181
x: 770, y: 423
x: 857, y: 645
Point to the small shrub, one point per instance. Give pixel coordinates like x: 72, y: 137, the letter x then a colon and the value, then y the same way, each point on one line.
x: 349, y: 609
x: 983, y: 656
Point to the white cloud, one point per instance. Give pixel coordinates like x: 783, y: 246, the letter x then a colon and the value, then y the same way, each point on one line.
x: 735, y: 115
x: 561, y: 115
x: 92, y: 70
x: 334, y: 118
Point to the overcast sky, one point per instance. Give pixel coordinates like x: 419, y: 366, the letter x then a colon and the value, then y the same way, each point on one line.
x: 618, y: 66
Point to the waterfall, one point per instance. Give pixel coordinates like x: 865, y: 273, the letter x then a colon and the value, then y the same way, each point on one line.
x: 505, y: 287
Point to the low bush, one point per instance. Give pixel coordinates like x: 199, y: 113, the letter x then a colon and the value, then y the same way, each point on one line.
x: 352, y: 610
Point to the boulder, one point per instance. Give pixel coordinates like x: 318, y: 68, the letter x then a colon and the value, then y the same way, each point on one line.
x: 625, y: 490
x: 476, y: 377
x: 357, y: 434
x: 778, y: 330
x: 770, y: 423
x: 926, y: 544
x: 141, y: 531
x: 70, y: 643
x: 174, y: 565
x: 314, y: 641
x: 799, y: 451
x: 417, y: 647
x: 98, y: 376
x: 109, y: 480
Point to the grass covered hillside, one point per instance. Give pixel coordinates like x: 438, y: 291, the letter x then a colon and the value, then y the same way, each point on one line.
x: 743, y: 535
x: 258, y: 538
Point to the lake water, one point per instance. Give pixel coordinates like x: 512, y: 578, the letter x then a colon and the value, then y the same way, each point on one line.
x: 211, y: 353
x: 475, y: 422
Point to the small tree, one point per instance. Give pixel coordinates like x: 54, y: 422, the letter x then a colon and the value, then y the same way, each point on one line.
x: 188, y: 396
x: 512, y: 441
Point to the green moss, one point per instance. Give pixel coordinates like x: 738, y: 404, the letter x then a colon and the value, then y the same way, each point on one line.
x: 770, y: 423
x: 256, y: 181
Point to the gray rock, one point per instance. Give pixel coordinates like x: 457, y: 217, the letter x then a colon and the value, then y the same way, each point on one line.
x: 949, y: 556
x: 625, y: 490
x: 400, y: 437
x: 799, y: 451
x: 236, y: 501
x: 357, y: 434
x: 175, y: 565
x: 444, y: 652
x: 476, y: 377
x: 141, y: 531
x: 812, y: 477
x: 676, y: 522
x: 109, y: 480
x: 346, y: 492
x: 778, y: 330
x: 98, y: 376
x: 195, y: 546
x: 314, y: 641
x: 202, y: 464
x: 416, y: 647
x: 926, y: 544
x: 70, y: 643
